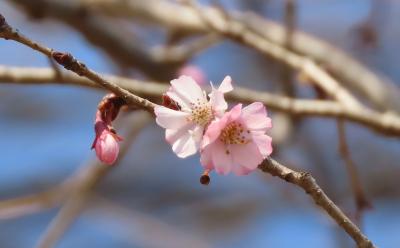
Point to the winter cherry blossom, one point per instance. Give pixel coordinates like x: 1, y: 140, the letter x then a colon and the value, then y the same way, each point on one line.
x: 192, y: 112
x: 237, y: 141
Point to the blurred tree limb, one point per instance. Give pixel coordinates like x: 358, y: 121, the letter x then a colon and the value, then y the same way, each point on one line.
x: 380, y: 92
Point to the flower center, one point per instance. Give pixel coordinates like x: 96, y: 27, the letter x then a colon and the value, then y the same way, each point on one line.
x: 234, y: 133
x: 201, y: 113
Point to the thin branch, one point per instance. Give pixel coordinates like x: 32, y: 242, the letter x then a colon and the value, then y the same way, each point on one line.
x: 309, y: 185
x: 360, y: 199
x: 385, y: 123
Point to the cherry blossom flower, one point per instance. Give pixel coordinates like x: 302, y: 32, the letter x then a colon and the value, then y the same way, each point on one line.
x: 237, y: 142
x: 186, y: 122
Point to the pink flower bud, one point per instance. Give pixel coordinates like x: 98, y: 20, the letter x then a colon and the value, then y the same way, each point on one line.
x: 194, y: 72
x: 106, y: 146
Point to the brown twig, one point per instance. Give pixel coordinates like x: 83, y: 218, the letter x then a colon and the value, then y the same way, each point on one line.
x: 360, y: 199
x: 308, y: 183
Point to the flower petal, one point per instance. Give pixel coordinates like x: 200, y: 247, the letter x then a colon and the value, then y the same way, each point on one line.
x: 255, y: 117
x: 247, y: 156
x: 107, y: 148
x: 264, y: 144
x: 172, y: 135
x: 218, y: 103
x: 240, y: 170
x: 221, y: 159
x: 206, y: 159
x: 169, y: 118
x: 226, y: 85
x: 187, y: 89
x: 188, y: 143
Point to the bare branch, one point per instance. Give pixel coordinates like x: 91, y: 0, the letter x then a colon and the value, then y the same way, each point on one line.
x: 309, y: 185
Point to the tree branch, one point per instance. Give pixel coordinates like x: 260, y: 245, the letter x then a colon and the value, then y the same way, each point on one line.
x: 309, y: 185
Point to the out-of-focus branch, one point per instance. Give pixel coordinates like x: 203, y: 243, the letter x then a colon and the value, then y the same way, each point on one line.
x: 227, y: 25
x: 386, y: 123
x: 309, y: 185
x: 359, y: 195
x: 178, y: 53
x: 123, y: 47
x: 381, y: 93
x: 24, y: 205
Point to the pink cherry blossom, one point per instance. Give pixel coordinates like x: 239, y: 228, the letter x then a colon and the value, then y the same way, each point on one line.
x: 237, y: 142
x: 195, y: 72
x: 185, y: 125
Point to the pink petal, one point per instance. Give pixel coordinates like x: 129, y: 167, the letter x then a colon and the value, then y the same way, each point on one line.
x: 226, y: 85
x: 218, y: 103
x: 255, y: 117
x: 188, y: 143
x: 264, y: 144
x: 247, y: 156
x: 183, y: 102
x: 107, y: 148
x: 169, y: 118
x: 186, y: 88
x: 213, y: 131
x: 221, y: 159
x: 240, y: 170
x: 172, y: 135
x: 235, y: 112
x: 206, y: 159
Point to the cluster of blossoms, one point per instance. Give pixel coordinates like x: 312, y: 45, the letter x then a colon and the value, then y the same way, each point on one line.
x: 233, y: 140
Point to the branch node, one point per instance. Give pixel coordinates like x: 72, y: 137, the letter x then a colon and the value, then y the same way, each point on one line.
x: 69, y: 62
